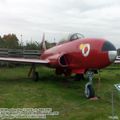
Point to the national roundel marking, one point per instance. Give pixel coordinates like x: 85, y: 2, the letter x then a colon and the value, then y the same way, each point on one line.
x: 85, y: 48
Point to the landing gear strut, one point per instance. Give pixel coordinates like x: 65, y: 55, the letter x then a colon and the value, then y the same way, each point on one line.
x: 33, y: 73
x: 79, y: 77
x: 89, y: 91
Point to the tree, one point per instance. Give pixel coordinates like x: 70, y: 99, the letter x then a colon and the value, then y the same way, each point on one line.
x: 10, y: 41
x: 1, y: 42
x: 32, y: 46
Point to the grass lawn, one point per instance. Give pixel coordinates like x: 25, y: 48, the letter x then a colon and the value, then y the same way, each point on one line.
x: 59, y: 93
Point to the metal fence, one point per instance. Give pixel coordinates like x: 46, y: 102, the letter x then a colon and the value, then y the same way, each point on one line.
x: 21, y: 53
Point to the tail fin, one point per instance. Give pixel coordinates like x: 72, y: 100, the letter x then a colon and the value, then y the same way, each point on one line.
x: 43, y: 43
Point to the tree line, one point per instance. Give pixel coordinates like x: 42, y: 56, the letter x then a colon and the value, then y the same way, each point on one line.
x: 11, y: 41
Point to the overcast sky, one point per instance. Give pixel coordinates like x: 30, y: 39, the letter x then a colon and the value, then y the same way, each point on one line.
x: 93, y: 18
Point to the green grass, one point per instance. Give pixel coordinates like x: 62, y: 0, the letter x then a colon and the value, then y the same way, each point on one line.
x: 59, y: 93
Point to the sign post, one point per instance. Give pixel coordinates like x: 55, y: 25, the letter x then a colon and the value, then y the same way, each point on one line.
x: 113, y: 117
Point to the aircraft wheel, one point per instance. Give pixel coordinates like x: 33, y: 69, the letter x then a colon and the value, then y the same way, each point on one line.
x: 35, y: 76
x: 79, y: 77
x: 89, y: 91
x: 58, y: 72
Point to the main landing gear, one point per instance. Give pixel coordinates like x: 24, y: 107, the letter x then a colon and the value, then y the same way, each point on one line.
x: 33, y: 73
x: 79, y: 77
x: 89, y: 90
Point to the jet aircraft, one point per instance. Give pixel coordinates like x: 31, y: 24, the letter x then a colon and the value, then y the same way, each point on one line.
x: 78, y: 55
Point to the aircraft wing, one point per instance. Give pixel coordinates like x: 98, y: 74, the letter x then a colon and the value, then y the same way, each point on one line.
x: 24, y: 60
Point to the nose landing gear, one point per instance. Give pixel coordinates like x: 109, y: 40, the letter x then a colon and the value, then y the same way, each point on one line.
x: 89, y: 90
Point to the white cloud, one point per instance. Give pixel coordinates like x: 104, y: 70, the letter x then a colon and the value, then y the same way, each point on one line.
x: 94, y: 18
x: 3, y: 1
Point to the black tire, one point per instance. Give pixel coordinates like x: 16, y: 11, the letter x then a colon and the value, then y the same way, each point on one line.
x: 89, y: 91
x: 79, y: 77
x: 35, y: 76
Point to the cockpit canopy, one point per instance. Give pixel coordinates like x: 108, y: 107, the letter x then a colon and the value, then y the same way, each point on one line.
x: 75, y: 36
x: 71, y: 37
